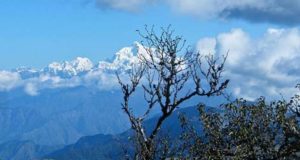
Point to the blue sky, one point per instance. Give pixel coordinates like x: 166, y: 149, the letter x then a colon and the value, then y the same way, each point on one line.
x: 34, y: 33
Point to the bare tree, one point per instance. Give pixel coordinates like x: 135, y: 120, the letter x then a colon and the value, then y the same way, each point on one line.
x: 169, y: 74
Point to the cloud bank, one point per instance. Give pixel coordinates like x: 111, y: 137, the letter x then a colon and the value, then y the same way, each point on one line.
x: 273, y: 11
x: 264, y: 66
x: 8, y: 80
x: 96, y: 79
x: 268, y: 65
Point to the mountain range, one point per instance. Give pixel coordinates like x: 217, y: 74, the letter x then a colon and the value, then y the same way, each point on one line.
x: 42, y: 110
x: 74, y: 97
x: 110, y: 147
x: 62, y: 102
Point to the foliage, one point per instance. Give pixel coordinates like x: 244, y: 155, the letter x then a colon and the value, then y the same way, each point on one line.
x: 245, y: 130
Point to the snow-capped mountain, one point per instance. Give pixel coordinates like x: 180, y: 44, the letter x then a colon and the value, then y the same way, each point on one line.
x: 78, y: 72
x: 58, y: 104
x: 26, y: 72
x: 54, y: 106
x: 69, y: 69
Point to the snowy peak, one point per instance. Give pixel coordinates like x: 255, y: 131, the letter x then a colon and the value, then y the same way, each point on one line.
x: 25, y: 69
x: 123, y: 55
x: 26, y: 72
x: 71, y: 68
x: 55, y: 67
x: 82, y: 64
x: 123, y: 59
x: 138, y: 48
x: 78, y: 72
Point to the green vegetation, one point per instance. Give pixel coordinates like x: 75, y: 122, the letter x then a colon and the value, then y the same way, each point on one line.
x: 245, y: 130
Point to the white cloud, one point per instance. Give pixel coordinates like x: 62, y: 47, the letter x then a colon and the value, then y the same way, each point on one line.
x: 275, y: 11
x: 235, y: 42
x: 8, y: 80
x: 79, y: 72
x: 268, y: 65
x: 206, y: 46
x: 101, y: 80
x: 201, y: 8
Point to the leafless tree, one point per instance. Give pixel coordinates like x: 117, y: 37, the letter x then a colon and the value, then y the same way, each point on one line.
x: 169, y: 74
